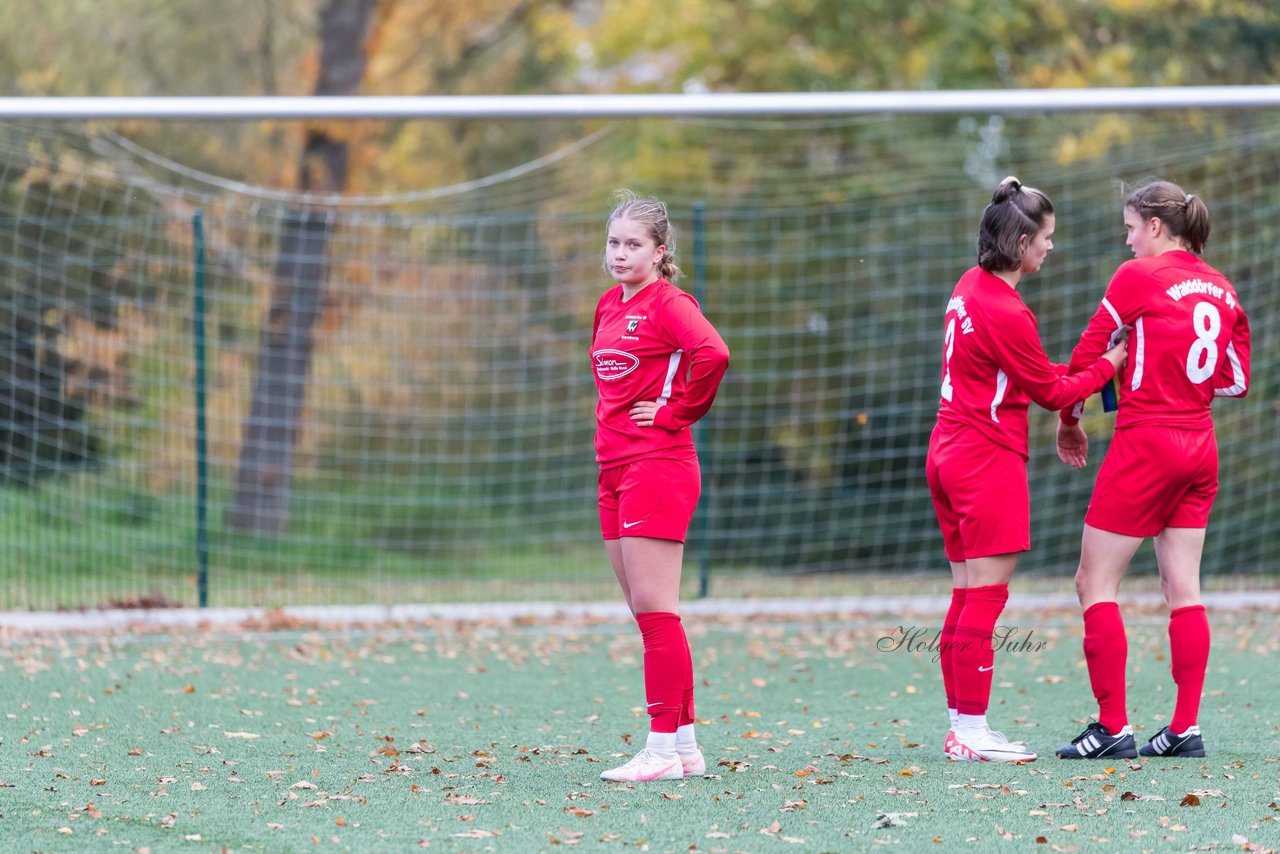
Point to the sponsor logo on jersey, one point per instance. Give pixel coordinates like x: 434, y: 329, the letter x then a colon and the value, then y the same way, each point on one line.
x: 614, y: 364
x: 631, y: 327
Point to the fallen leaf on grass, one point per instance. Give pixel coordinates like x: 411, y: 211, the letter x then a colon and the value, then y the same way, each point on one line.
x: 1190, y: 801
x: 564, y: 836
x: 241, y: 735
x: 892, y: 819
x: 1130, y: 796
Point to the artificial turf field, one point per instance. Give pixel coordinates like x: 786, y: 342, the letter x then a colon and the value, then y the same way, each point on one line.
x: 821, y: 733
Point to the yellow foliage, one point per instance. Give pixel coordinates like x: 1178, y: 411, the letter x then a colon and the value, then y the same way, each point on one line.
x: 1111, y: 129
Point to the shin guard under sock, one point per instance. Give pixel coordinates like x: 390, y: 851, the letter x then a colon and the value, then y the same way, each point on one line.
x: 973, y: 660
x: 687, y: 714
x: 1106, y: 652
x: 1188, y: 660
x: 665, y: 652
x: 946, y: 643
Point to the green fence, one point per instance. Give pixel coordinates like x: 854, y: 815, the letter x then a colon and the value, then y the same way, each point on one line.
x: 215, y: 397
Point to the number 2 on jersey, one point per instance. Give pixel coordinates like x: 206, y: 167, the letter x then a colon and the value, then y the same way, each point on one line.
x: 949, y: 346
x: 1207, y: 323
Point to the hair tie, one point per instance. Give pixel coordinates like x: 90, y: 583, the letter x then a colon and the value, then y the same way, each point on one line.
x: 1187, y: 200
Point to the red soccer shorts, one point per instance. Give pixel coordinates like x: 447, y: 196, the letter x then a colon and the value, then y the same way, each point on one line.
x: 649, y: 498
x: 1155, y: 478
x: 980, y: 494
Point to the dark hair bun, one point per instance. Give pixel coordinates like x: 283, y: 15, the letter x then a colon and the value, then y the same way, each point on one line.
x: 1006, y: 190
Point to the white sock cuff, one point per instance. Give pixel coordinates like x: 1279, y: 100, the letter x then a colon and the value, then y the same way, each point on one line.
x: 663, y: 741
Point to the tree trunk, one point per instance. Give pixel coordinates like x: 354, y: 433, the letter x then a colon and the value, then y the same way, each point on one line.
x: 264, y: 482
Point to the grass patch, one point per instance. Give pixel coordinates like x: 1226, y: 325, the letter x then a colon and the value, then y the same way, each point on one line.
x: 491, y: 737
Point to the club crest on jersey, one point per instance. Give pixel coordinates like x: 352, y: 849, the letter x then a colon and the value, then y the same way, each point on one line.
x: 631, y: 327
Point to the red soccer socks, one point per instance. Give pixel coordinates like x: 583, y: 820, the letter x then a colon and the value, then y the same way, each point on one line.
x: 974, y: 657
x: 686, y: 706
x: 946, y: 642
x: 667, y: 670
x: 1106, y: 652
x: 1188, y: 659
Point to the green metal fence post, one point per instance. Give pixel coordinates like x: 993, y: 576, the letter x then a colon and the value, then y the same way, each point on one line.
x: 202, y: 439
x: 699, y: 434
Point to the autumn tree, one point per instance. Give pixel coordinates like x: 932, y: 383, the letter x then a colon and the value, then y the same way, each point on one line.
x: 265, y: 476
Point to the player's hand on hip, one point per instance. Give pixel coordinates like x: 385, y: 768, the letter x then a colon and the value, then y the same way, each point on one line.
x: 1073, y: 445
x: 643, y: 412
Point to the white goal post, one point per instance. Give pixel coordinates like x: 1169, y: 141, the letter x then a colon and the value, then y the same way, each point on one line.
x: 640, y: 105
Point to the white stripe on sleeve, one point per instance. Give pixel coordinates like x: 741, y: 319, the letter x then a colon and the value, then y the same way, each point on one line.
x: 1237, y: 374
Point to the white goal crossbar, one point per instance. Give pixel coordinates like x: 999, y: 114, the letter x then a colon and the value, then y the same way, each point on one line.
x: 636, y: 105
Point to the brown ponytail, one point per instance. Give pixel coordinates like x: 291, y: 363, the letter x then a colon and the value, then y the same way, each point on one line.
x: 1015, y: 210
x: 1184, y: 214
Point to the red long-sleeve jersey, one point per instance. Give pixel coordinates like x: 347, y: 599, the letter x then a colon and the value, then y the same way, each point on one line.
x: 1189, y: 344
x: 993, y: 365
x: 655, y: 346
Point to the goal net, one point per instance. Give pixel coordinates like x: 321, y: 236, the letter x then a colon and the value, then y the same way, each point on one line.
x: 223, y: 392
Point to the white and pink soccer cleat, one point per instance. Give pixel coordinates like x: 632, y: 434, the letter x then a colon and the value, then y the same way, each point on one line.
x: 693, y: 764
x: 987, y: 747
x: 647, y: 765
